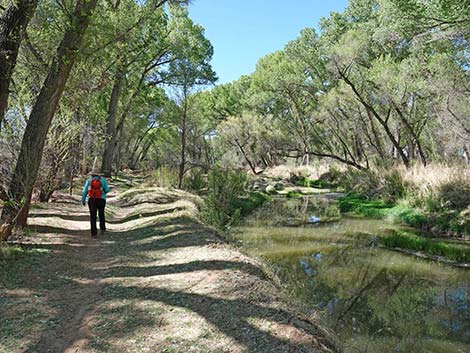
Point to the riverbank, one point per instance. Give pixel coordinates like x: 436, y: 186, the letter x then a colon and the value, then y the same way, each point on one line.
x: 159, y: 280
x: 433, y: 202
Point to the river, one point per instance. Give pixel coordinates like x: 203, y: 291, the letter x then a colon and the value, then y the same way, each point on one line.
x: 375, y: 300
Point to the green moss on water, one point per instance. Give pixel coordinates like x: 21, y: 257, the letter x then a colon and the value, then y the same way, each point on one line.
x: 405, y: 240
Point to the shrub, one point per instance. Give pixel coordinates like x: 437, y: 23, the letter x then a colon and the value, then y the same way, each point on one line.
x: 195, y: 180
x: 220, y: 208
x: 455, y: 194
x: 383, y: 184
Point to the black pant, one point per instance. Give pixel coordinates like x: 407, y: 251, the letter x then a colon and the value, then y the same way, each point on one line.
x: 96, y: 205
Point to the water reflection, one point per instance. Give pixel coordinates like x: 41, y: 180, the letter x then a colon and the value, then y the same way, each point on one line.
x: 376, y: 300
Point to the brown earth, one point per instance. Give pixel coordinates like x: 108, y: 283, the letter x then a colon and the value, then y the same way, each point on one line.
x: 159, y: 281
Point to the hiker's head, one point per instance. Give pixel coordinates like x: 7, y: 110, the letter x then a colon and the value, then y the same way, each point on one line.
x: 95, y: 172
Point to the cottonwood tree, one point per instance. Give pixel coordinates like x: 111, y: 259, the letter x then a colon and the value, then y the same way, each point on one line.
x: 42, y: 112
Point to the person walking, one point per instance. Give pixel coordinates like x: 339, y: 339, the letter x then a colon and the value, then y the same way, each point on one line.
x: 96, y: 189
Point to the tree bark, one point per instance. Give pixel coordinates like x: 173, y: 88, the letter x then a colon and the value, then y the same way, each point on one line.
x: 110, y: 142
x: 13, y: 22
x: 43, y: 111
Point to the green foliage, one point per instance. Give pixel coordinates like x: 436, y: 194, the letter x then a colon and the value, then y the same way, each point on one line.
x: 294, y: 194
x: 381, y: 209
x: 247, y: 204
x: 195, y: 180
x: 414, y: 242
x: 315, y: 183
x: 225, y: 189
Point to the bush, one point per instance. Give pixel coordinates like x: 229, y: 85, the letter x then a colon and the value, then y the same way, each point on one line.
x: 195, y: 180
x: 384, y: 185
x: 455, y: 194
x: 221, y: 207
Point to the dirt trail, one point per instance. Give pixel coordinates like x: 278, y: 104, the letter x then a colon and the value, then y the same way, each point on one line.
x: 159, y: 281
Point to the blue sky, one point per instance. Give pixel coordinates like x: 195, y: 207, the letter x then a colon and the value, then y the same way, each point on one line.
x: 243, y: 31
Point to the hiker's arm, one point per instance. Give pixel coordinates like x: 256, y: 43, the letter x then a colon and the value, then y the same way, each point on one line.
x: 105, y: 186
x: 85, y: 191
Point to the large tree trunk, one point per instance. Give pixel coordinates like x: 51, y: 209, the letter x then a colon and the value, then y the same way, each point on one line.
x: 13, y: 21
x: 43, y: 111
x: 110, y: 142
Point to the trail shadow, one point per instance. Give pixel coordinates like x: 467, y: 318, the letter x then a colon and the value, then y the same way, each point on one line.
x: 58, y: 230
x: 230, y: 316
x: 110, y: 220
x: 144, y: 214
x: 79, y: 218
x: 213, y: 265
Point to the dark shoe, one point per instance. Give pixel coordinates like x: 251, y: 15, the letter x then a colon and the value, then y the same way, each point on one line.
x: 103, y: 232
x: 93, y: 236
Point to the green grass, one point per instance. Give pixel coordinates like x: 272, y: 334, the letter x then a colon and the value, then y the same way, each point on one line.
x: 380, y: 209
x: 10, y: 253
x: 363, y: 207
x: 315, y: 183
x: 405, y: 240
x: 293, y: 194
x: 251, y: 202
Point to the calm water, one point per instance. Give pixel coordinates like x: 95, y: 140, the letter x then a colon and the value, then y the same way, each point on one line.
x: 376, y: 300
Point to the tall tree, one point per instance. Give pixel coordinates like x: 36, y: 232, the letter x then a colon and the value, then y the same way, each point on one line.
x: 13, y: 22
x: 42, y: 113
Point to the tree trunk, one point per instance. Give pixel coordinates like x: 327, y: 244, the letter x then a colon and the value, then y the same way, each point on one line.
x: 110, y: 142
x: 43, y: 111
x: 183, y: 138
x: 381, y: 121
x: 13, y: 21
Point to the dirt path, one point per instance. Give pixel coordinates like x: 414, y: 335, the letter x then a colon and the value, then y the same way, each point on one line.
x: 158, y: 282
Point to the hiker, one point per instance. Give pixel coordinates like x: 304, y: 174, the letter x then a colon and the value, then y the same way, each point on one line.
x: 96, y: 189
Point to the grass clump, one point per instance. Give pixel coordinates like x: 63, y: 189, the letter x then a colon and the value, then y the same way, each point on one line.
x: 414, y: 242
x: 164, y: 177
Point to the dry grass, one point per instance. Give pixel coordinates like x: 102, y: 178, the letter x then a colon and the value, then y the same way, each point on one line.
x: 432, y: 177
x: 312, y: 171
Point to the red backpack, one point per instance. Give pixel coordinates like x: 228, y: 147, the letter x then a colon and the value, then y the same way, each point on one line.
x: 94, y: 190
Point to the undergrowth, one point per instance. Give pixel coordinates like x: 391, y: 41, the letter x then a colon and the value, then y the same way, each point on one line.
x: 227, y: 200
